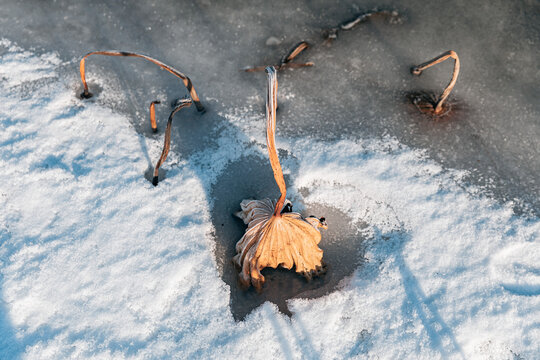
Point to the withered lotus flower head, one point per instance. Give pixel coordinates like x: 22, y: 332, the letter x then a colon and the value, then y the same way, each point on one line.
x: 276, y: 236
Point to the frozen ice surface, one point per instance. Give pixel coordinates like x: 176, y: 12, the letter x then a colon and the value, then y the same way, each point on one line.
x: 358, y: 85
x: 95, y: 262
x: 98, y: 263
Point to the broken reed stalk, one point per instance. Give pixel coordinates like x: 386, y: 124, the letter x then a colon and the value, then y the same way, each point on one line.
x: 285, y: 62
x: 417, y: 70
x: 186, y: 80
x: 275, y: 235
x: 167, y: 144
x: 153, y: 122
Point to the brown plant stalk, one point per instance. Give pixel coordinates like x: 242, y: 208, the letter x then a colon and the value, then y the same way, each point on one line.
x: 276, y: 236
x: 286, y: 60
x: 186, y: 80
x: 417, y: 70
x: 167, y: 143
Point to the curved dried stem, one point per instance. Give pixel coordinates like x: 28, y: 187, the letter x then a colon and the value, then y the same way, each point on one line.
x: 166, y: 146
x: 187, y: 82
x: 417, y: 70
x: 153, y: 122
x: 285, y: 62
x: 271, y: 106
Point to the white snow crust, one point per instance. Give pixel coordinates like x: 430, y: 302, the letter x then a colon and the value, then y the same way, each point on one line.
x: 95, y: 262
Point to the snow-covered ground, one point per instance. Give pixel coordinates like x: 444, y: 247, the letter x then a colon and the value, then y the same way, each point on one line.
x: 97, y: 263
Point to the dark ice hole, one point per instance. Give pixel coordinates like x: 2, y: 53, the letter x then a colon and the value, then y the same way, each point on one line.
x: 93, y: 89
x: 149, y: 174
x: 251, y: 178
x: 453, y: 108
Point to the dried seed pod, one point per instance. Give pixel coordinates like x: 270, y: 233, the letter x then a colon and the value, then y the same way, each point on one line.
x: 187, y: 82
x: 435, y: 106
x: 276, y: 236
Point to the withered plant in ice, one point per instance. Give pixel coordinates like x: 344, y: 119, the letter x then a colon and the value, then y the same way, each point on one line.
x: 180, y: 104
x: 187, y: 81
x: 276, y: 236
x: 428, y: 103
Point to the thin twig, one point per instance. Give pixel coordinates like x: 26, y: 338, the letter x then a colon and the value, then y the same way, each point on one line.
x: 271, y: 106
x: 417, y: 70
x: 166, y: 146
x: 187, y: 82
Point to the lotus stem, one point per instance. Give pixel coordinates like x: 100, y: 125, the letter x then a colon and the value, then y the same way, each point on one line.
x: 271, y: 106
x: 153, y: 122
x: 417, y: 70
x: 187, y: 82
x: 285, y: 62
x: 167, y: 144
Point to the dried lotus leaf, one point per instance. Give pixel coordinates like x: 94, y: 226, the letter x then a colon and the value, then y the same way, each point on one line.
x: 273, y: 237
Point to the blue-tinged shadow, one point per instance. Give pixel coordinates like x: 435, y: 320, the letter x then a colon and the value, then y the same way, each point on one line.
x: 10, y: 347
x: 440, y: 334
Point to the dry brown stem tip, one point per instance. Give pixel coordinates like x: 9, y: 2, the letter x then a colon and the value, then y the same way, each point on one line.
x: 417, y: 70
x: 285, y: 62
x: 186, y: 80
x: 294, y: 52
x: 153, y: 122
